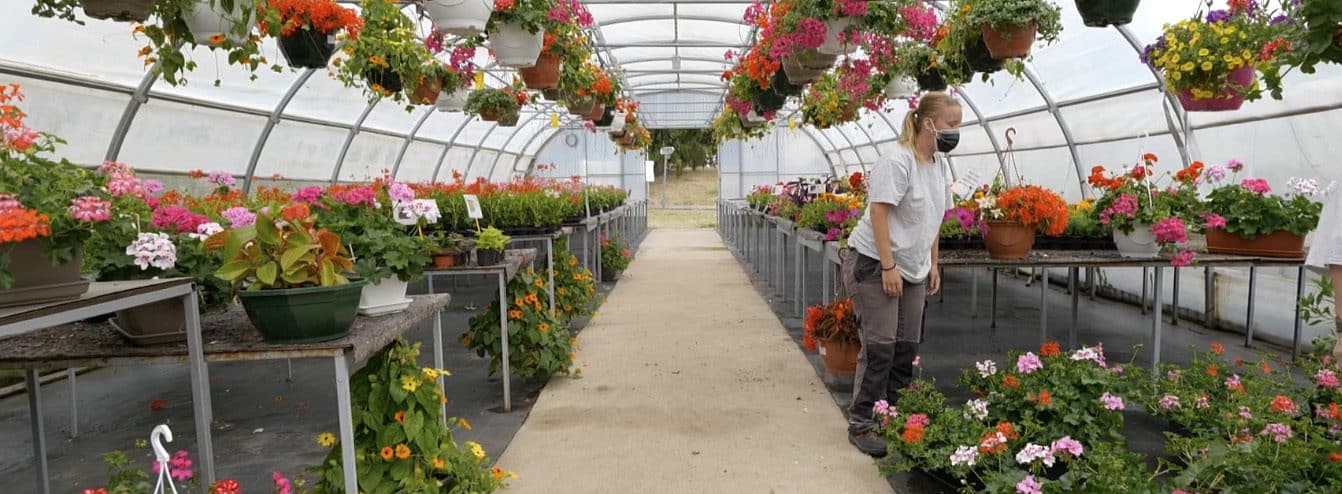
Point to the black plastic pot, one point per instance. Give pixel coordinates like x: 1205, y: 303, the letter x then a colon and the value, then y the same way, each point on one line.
x: 931, y: 80
x: 386, y: 78
x: 1101, y: 13
x: 607, y: 117
x: 979, y: 59
x: 488, y: 257
x: 768, y: 100
x: 783, y: 86
x: 307, y: 49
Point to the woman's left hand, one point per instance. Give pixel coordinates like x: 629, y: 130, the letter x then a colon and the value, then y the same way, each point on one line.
x: 933, y: 281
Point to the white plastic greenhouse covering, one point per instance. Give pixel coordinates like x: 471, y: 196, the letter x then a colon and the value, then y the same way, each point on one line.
x: 1085, y: 100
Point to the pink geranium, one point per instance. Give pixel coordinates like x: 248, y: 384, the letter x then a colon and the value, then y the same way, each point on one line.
x: 1214, y: 220
x: 1125, y: 205
x: 1028, y: 363
x: 1170, y: 230
x: 1111, y: 402
x: 91, y: 209
x: 1256, y: 185
x: 1183, y: 258
x: 177, y: 219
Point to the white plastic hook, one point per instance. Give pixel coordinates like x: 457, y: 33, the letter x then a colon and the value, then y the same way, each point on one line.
x: 156, y: 437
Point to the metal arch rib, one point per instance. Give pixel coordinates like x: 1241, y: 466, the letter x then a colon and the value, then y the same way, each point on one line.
x: 992, y: 138
x: 271, y: 122
x: 1171, y: 103
x: 504, y: 147
x: 682, y: 58
x: 1062, y: 125
x: 138, y: 98
x: 870, y: 142
x: 447, y: 147
x: 349, y: 139
x: 851, y: 146
x: 471, y: 164
x: 664, y: 17
x: 410, y: 137
x: 809, y: 133
x: 523, y: 151
x: 832, y: 147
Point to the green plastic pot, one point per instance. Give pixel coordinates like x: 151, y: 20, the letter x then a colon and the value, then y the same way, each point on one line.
x: 304, y: 315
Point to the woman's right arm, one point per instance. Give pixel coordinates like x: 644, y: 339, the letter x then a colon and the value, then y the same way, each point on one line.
x: 891, y: 280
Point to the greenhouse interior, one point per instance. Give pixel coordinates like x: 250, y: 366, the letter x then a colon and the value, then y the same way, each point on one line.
x: 610, y: 246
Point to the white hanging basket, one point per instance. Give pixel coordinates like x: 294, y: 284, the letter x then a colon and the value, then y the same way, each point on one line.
x: 831, y: 45
x: 453, y: 101
x: 208, y: 21
x: 901, y: 87
x: 459, y: 17
x: 516, y: 47
x: 1141, y: 243
x: 384, y: 297
x: 617, y: 123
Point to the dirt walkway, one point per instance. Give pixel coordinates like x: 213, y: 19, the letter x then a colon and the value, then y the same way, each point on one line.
x: 690, y: 384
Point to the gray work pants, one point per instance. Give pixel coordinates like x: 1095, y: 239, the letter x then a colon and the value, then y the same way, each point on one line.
x: 890, y: 330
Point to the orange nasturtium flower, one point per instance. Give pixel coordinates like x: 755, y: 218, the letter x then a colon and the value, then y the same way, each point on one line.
x: 387, y: 453
x: 402, y: 451
x: 400, y: 417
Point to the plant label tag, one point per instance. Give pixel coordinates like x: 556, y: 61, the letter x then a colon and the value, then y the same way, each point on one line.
x: 778, y: 190
x: 473, y: 207
x: 816, y: 189
x: 402, y: 214
x: 822, y: 350
x: 966, y: 184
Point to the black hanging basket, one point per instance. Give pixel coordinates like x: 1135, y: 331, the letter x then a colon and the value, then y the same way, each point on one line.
x: 783, y: 86
x: 979, y: 59
x: 932, y: 80
x: 386, y: 78
x: 607, y: 117
x: 769, y: 100
x: 552, y: 94
x: 307, y: 49
x: 1101, y: 13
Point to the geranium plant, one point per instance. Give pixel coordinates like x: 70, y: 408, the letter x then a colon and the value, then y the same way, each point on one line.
x: 1248, y: 208
x: 1006, y: 15
x: 364, y: 215
x: 615, y: 255
x: 539, y: 345
x: 1167, y: 204
x: 383, y: 56
x: 530, y: 15
x: 322, y: 17
x: 492, y: 102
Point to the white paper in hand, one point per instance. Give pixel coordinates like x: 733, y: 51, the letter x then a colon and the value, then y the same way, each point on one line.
x: 473, y: 207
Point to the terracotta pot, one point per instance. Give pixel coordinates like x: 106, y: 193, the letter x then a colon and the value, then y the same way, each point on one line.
x: 543, y: 75
x: 118, y: 10
x: 597, y: 111
x: 1008, y: 240
x: 1276, y: 244
x: 1014, y: 43
x: 36, y: 280
x: 490, y: 114
x: 628, y: 139
x: 444, y: 261
x: 1101, y: 13
x: 840, y: 357
x: 579, y: 105
x: 1229, y: 100
x: 427, y: 91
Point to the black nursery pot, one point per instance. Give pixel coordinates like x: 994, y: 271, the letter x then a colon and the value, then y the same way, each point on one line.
x: 768, y: 100
x: 931, y: 80
x: 386, y: 78
x: 607, y: 117
x: 979, y: 59
x: 783, y: 86
x: 307, y: 49
x: 1101, y: 13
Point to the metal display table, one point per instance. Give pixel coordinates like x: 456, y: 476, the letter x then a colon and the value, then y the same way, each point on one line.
x: 505, y: 271
x: 228, y: 336
x: 548, y: 239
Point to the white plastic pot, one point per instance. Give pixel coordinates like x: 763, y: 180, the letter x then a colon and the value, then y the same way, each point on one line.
x: 516, y: 47
x: 453, y: 101
x: 1141, y: 243
x: 207, y: 21
x: 901, y: 87
x: 384, y: 297
x: 617, y: 123
x: 459, y: 17
x: 831, y: 45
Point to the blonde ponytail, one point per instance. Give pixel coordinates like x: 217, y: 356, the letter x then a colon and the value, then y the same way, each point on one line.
x: 930, y: 105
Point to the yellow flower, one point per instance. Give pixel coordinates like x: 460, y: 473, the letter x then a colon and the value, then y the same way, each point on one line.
x: 475, y: 449
x: 326, y: 439
x: 1187, y: 67
x: 1207, y: 66
x: 1204, y: 52
x: 410, y: 384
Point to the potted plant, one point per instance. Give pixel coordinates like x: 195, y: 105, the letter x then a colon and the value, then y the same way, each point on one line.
x: 1320, y: 40
x: 307, y: 29
x: 826, y: 104
x: 1144, y: 210
x: 564, y: 47
x: 1101, y: 13
x: 430, y: 84
x: 1245, y: 218
x: 386, y: 53
x: 539, y: 344
x: 517, y: 31
x: 489, y: 246
x: 383, y: 227
x: 216, y: 24
x: 615, y: 257
x: 457, y: 77
x: 451, y: 251
x: 840, y: 37
x: 492, y: 103
x: 116, y: 10
x: 1219, y: 76
x: 831, y: 329
x: 459, y: 17
x: 289, y: 277
x: 1013, y: 215
x: 1010, y: 27
x: 48, y: 210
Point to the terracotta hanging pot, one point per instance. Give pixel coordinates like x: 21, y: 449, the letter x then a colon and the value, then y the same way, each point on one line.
x: 1280, y: 243
x: 118, y: 10
x: 1229, y: 100
x: 1008, y: 240
x: 839, y: 356
x: 628, y: 139
x: 1010, y: 43
x: 597, y: 111
x: 427, y: 91
x: 1101, y: 13
x: 544, y: 75
x: 490, y: 114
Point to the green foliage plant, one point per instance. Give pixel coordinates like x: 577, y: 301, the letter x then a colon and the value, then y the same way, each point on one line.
x: 492, y: 239
x: 291, y: 254
x: 539, y: 344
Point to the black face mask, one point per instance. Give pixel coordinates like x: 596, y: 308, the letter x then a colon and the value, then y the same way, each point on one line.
x: 947, y: 140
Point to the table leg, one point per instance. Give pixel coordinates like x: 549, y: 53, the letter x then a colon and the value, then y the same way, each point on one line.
x: 805, y: 267
x: 1156, y: 319
x: 503, y: 344
x: 797, y: 275
x: 1248, y: 319
x: 1073, y: 283
x: 781, y: 266
x: 39, y: 436
x: 973, y: 293
x: 550, y: 270
x: 1142, y: 302
x: 825, y: 276
x: 428, y: 280
x: 344, y: 409
x: 993, y: 310
x: 70, y: 375
x: 1208, y: 294
x: 1299, y: 294
x: 438, y: 355
x: 1174, y: 300
x: 1043, y: 305
x: 200, y: 388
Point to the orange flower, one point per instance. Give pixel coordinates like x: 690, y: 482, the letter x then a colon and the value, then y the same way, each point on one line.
x: 439, y: 463
x: 1010, y: 381
x: 217, y: 39
x: 296, y: 212
x: 1218, y: 348
x: 1262, y: 365
x: 1211, y: 370
x: 545, y: 328
x: 1335, y: 457
x: 464, y: 424
x: 1049, y: 349
x: 400, y: 417
x: 1008, y: 430
x: 1282, y: 404
x: 387, y: 453
x: 497, y: 473
x: 912, y: 435
x: 1044, y: 398
x: 1035, y: 207
x: 402, y: 451
x: 19, y: 224
x: 1150, y: 157
x: 514, y: 314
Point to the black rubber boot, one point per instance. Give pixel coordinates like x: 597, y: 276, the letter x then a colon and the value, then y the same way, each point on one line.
x: 872, y: 386
x: 901, y: 370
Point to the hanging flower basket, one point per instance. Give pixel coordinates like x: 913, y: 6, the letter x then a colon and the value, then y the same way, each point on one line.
x: 932, y: 80
x: 580, y: 105
x: 798, y: 74
x: 1101, y: 13
x: 387, y: 79
x: 832, y: 45
x: 118, y: 10
x: 207, y: 22
x: 839, y: 356
x: 453, y: 101
x: 427, y: 91
x: 597, y: 112
x: 980, y: 59
x: 1008, y: 240
x: 768, y: 100
x: 784, y: 86
x: 813, y: 59
x: 901, y: 87
x: 544, y: 75
x: 509, y: 119
x: 516, y: 47
x: 1141, y: 243
x: 1280, y: 243
x: 617, y: 122
x: 1012, y: 43
x: 607, y: 117
x: 307, y: 49
x: 459, y: 17
x: 1231, y: 99
x: 552, y: 94
x: 628, y: 139
x: 37, y: 281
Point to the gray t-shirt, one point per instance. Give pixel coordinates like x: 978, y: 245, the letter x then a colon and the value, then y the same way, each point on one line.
x: 918, y: 193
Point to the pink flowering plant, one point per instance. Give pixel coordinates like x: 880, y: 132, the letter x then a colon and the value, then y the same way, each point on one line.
x: 1249, y: 208
x: 364, y: 216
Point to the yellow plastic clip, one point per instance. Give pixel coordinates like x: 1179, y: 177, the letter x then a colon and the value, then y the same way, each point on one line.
x: 479, y: 80
x: 554, y: 120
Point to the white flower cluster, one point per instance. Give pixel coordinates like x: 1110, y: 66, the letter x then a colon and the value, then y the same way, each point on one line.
x: 986, y: 368
x: 153, y: 249
x: 964, y: 455
x: 1032, y: 452
x: 205, y: 230
x: 976, y: 410
x: 1304, y: 186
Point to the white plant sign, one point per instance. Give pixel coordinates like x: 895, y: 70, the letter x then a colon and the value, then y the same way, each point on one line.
x: 403, y: 214
x: 473, y: 210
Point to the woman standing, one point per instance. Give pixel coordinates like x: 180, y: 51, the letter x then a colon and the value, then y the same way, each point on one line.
x: 1326, y: 253
x: 892, y: 265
